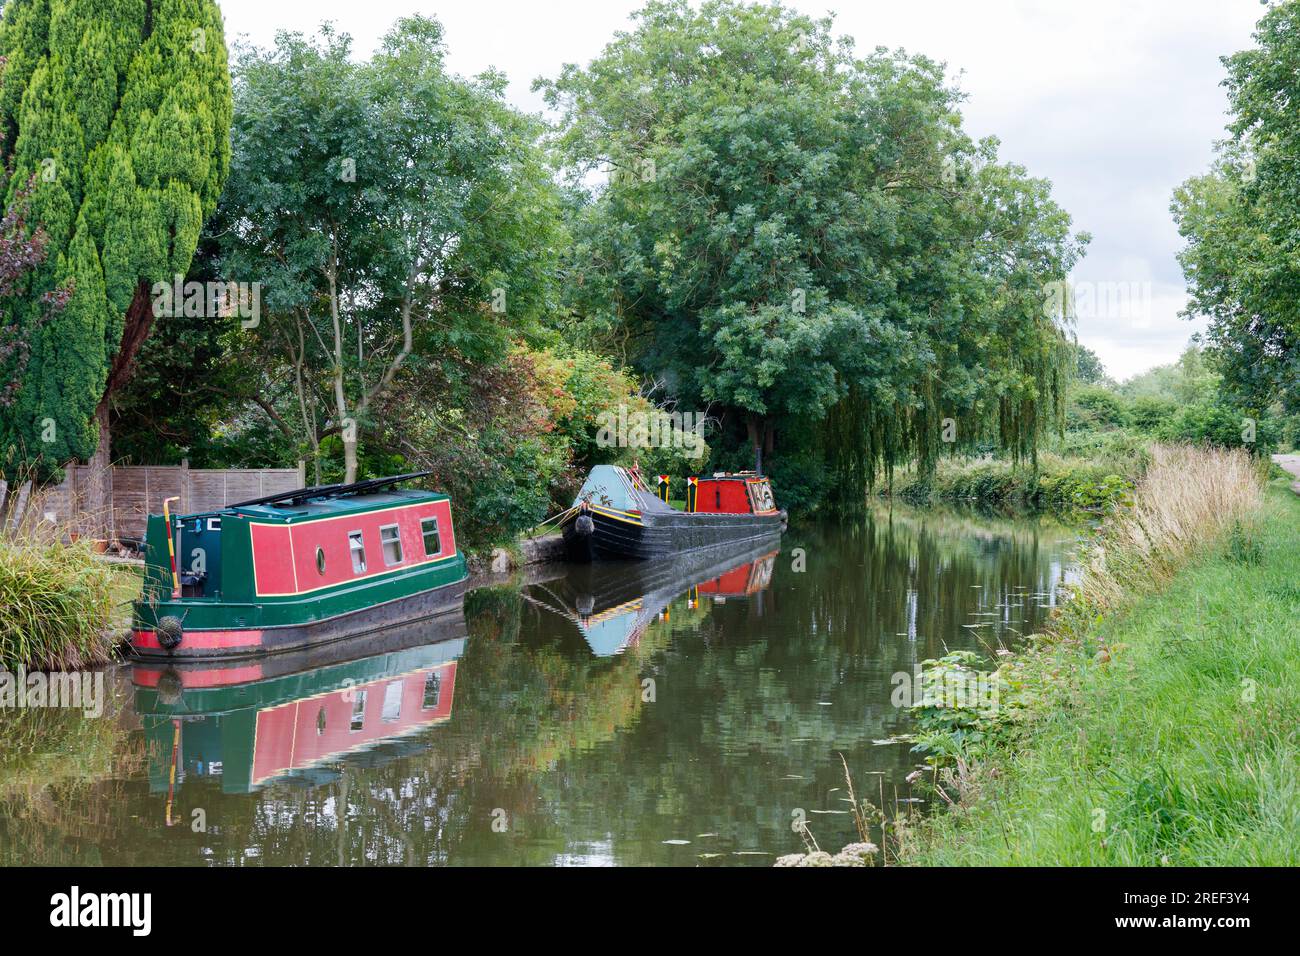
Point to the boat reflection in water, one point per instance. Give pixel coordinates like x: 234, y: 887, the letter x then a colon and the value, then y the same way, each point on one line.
x: 294, y: 717
x: 612, y: 603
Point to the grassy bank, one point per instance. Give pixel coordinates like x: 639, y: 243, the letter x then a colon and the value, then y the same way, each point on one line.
x: 1158, y: 723
x: 60, y: 607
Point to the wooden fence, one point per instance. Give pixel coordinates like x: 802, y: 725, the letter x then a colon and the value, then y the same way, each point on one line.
x: 138, y: 491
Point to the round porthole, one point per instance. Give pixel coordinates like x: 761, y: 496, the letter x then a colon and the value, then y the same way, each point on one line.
x: 320, y: 722
x: 320, y: 560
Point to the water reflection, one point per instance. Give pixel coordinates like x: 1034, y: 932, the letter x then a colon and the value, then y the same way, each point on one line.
x: 613, y: 603
x: 289, y: 721
x: 675, y: 712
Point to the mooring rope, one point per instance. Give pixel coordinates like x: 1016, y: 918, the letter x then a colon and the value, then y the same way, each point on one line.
x: 559, y: 517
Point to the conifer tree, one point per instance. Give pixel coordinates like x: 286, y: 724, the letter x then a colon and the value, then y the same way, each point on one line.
x: 118, y: 113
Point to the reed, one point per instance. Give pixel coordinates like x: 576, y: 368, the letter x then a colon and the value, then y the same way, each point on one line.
x: 1188, y: 498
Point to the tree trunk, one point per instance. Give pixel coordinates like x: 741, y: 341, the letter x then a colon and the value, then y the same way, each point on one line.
x: 348, y: 425
x: 18, y: 507
x: 96, y: 518
x: 308, y: 417
x: 349, y: 461
x: 135, y: 329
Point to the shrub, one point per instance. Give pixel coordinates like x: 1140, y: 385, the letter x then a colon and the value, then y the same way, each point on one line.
x: 1094, y: 406
x: 1223, y: 425
x: 963, y: 709
x: 1148, y: 413
x: 1065, y: 486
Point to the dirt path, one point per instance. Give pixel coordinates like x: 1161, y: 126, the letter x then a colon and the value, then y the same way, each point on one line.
x: 1292, y: 464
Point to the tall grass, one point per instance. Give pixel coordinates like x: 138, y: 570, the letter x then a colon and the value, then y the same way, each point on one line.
x: 59, y: 604
x: 1189, y: 497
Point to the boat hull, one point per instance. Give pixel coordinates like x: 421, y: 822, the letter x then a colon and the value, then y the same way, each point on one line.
x: 235, y: 642
x: 616, y: 535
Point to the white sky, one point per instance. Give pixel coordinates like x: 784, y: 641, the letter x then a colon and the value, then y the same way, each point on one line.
x: 1115, y: 102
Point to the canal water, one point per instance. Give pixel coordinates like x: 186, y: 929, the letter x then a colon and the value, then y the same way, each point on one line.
x: 685, y: 713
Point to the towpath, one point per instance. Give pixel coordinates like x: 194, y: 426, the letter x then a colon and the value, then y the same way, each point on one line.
x: 1292, y: 464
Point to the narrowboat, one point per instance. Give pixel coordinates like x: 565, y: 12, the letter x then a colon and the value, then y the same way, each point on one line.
x: 612, y: 605
x: 616, y: 516
x: 295, y: 570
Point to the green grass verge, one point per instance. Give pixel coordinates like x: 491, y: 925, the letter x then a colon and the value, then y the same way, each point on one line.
x: 1178, y: 745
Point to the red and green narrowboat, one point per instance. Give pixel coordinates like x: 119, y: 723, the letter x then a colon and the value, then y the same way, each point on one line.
x: 295, y: 570
x: 616, y: 516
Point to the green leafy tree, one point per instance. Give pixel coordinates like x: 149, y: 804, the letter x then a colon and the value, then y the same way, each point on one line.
x: 1088, y: 367
x: 1241, y: 222
x: 1190, y: 380
x: 1095, y: 406
x: 804, y: 241
x: 394, y: 214
x: 118, y: 111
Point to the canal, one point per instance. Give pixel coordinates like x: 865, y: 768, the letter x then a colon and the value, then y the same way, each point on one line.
x: 679, y: 713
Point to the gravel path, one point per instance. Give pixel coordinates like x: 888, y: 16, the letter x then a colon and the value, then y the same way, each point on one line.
x: 1292, y: 464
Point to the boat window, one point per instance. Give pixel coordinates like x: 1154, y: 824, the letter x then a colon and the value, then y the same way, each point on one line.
x: 760, y: 496
x: 358, y: 709
x: 429, y: 528
x: 390, y: 538
x: 320, y: 560
x: 357, y: 545
x: 392, y: 702
x: 320, y: 722
x: 432, y: 690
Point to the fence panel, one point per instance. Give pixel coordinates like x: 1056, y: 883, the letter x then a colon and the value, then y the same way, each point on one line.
x: 139, y: 490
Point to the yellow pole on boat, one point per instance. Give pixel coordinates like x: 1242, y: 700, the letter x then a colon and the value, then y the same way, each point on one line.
x: 171, y: 547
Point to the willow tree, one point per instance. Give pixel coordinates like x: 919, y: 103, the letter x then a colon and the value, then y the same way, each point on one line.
x: 118, y: 112
x: 806, y: 239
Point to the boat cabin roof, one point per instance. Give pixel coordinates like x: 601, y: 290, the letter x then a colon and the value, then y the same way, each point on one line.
x: 328, y: 501
x: 329, y: 507
x: 616, y: 487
